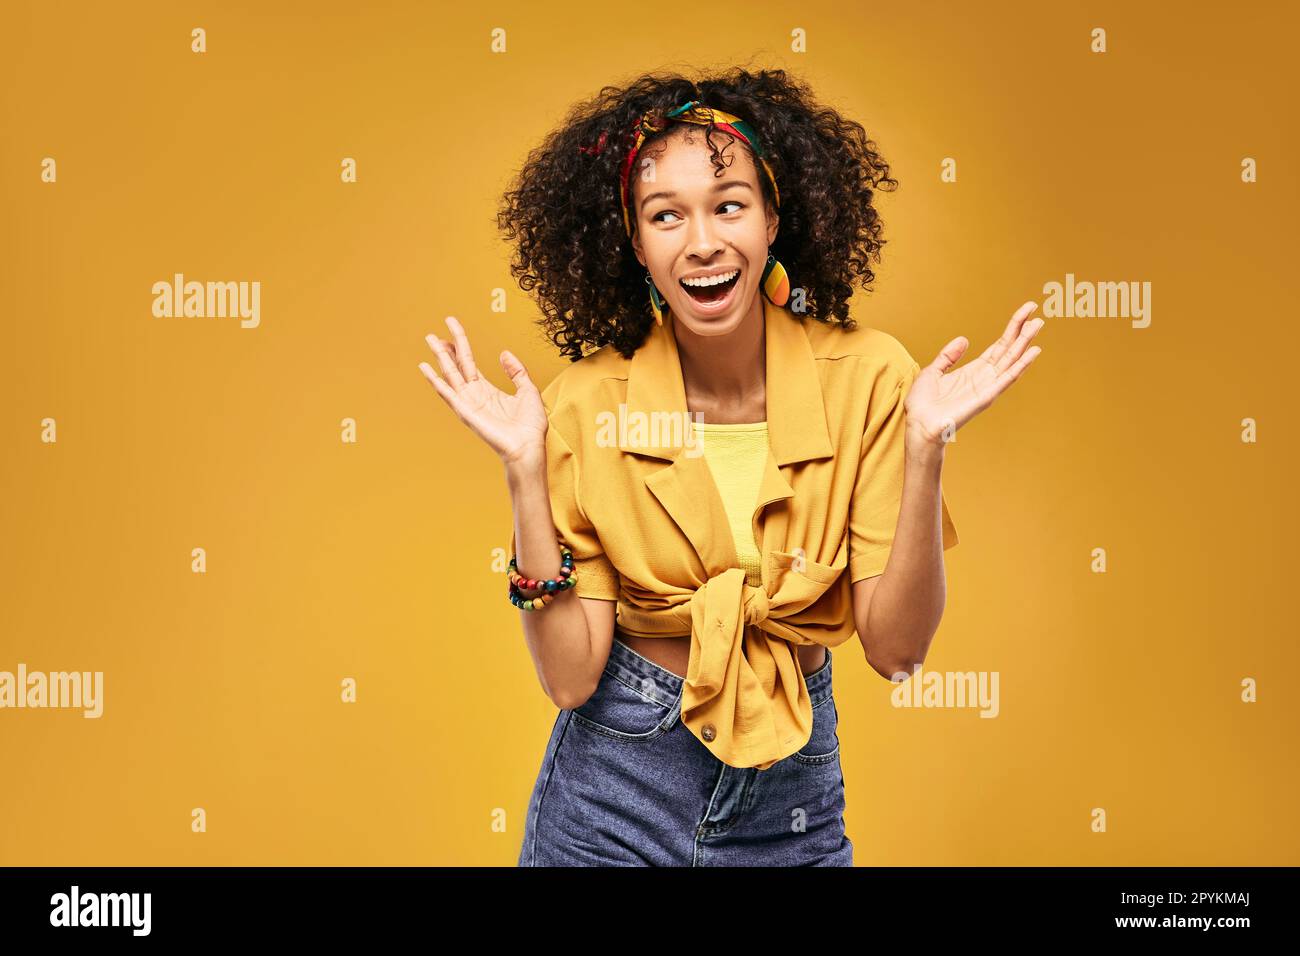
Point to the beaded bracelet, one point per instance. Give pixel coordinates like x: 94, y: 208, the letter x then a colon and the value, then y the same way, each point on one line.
x: 518, y: 583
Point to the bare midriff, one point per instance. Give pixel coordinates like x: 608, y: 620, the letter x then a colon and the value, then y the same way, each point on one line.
x: 674, y: 653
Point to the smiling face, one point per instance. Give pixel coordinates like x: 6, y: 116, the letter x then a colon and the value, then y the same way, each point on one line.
x: 694, y: 228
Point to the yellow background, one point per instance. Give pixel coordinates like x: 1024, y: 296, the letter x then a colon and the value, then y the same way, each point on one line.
x: 374, y: 561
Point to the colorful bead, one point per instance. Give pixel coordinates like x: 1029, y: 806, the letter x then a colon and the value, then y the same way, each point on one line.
x: 565, y: 580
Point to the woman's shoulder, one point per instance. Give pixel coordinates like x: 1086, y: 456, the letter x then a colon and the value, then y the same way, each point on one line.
x: 587, y: 383
x: 863, y: 350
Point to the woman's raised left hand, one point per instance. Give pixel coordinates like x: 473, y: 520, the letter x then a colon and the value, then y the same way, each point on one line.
x: 943, y: 398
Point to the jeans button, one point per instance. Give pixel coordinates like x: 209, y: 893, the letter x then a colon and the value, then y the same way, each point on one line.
x: 708, y: 732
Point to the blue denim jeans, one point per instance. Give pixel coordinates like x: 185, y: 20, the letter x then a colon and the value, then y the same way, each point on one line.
x: 624, y: 783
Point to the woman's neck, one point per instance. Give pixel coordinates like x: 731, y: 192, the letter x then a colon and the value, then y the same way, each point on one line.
x: 725, y: 376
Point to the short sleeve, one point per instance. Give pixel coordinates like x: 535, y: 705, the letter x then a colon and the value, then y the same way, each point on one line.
x: 597, y: 576
x: 878, y: 490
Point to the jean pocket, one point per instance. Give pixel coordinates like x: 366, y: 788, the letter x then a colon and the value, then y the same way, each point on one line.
x: 624, y: 711
x: 823, y: 747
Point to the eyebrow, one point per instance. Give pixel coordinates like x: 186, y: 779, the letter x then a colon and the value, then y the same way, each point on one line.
x: 725, y: 184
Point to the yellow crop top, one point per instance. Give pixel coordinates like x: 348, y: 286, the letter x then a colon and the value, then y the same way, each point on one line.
x: 737, y: 457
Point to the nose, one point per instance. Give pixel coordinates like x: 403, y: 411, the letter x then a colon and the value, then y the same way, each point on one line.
x: 702, y: 241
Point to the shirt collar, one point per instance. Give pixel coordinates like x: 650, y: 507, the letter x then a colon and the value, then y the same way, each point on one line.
x: 796, y: 411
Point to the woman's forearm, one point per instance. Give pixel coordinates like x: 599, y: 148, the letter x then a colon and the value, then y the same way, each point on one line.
x: 557, y: 636
x: 907, y: 604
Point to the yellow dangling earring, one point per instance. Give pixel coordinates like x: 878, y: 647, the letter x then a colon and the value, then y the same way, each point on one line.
x: 657, y: 303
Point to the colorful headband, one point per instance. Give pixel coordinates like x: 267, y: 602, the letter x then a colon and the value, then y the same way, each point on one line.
x: 689, y: 112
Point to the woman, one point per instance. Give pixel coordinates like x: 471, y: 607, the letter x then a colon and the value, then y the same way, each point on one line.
x: 732, y: 475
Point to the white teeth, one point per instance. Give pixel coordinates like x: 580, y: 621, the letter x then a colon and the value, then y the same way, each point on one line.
x: 711, y: 280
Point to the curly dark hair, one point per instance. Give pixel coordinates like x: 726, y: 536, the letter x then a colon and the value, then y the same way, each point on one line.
x: 573, y: 248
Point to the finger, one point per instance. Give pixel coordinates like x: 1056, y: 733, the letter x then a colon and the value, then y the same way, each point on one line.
x: 1014, y: 372
x: 449, y: 368
x: 950, y: 354
x: 995, y: 351
x: 1027, y: 332
x: 515, y: 369
x: 445, y: 390
x: 463, y: 353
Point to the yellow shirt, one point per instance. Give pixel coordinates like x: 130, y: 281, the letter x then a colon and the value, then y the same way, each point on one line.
x: 737, y: 457
x: 634, y: 499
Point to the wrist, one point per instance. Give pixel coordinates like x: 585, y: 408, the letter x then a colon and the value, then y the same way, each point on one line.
x: 922, y: 449
x: 525, y: 467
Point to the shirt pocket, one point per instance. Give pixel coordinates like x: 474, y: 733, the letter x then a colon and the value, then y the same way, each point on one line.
x: 787, y: 562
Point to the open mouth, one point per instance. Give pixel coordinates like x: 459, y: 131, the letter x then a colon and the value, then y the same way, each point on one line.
x: 714, y: 293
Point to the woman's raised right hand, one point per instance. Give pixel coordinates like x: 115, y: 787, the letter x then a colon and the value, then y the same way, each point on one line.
x: 514, y: 426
